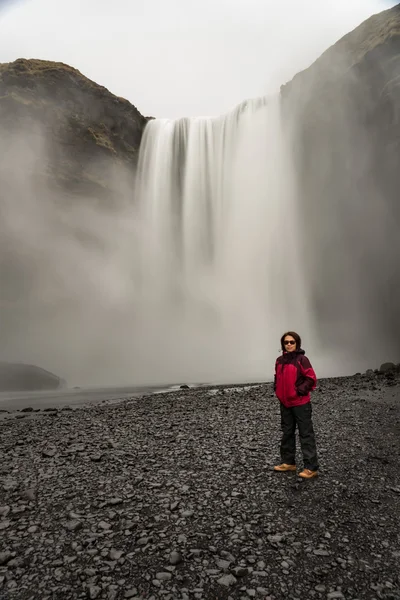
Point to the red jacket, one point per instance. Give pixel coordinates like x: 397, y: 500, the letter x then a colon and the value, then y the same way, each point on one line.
x: 294, y: 378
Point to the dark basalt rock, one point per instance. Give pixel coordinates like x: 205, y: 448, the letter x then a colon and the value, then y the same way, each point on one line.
x: 343, y: 114
x: 198, y: 511
x: 84, y: 124
x: 19, y: 377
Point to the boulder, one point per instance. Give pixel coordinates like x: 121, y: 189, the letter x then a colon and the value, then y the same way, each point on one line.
x: 386, y: 367
x: 22, y: 377
x: 343, y: 115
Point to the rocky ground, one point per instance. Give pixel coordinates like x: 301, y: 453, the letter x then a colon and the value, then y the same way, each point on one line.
x: 172, y: 496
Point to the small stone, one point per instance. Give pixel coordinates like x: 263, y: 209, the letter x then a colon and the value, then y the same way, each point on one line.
x: 29, y: 494
x: 115, y: 554
x: 4, y: 557
x: 73, y: 515
x: 10, y: 485
x: 104, y: 525
x: 240, y: 571
x: 93, y: 592
x: 335, y: 596
x: 49, y: 453
x: 227, y: 555
x: 175, y: 558
x: 227, y: 580
x: 321, y: 552
x: 143, y: 541
x: 74, y: 525
x: 163, y: 576
x: 130, y: 593
x: 187, y: 513
x: 115, y: 501
x: 96, y: 457
x: 223, y: 564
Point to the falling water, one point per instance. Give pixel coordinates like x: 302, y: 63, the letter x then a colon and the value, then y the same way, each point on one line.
x: 219, y: 264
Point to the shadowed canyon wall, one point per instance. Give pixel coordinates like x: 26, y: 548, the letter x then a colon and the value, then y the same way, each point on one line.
x: 343, y: 116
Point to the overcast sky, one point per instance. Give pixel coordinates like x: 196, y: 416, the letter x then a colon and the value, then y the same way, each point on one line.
x: 174, y: 58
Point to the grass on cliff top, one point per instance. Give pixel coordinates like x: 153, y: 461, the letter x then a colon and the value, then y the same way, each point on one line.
x: 35, y: 67
x: 378, y: 30
x: 373, y: 32
x: 47, y: 70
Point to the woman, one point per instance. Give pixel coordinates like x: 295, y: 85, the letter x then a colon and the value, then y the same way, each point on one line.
x: 294, y: 380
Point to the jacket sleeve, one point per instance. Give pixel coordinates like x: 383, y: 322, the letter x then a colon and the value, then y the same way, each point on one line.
x: 276, y: 366
x: 309, y: 378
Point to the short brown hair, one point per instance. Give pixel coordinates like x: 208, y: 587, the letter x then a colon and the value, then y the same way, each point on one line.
x: 295, y: 336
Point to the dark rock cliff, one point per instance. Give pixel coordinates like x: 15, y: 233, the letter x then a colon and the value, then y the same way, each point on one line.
x: 343, y: 115
x: 68, y: 151
x: 18, y: 377
x: 83, y: 124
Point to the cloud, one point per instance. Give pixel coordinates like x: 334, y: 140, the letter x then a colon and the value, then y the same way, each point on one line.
x: 182, y: 57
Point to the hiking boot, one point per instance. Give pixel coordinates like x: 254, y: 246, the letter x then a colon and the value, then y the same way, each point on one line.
x: 308, y: 474
x: 283, y: 468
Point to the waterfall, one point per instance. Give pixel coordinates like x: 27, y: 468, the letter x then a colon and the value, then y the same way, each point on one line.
x: 219, y: 272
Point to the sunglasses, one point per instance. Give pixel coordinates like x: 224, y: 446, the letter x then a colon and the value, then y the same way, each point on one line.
x: 289, y: 342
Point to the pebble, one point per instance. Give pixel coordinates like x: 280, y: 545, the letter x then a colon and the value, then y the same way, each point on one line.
x: 94, y: 592
x: 5, y: 557
x: 115, y: 554
x: 74, y: 525
x: 157, y: 516
x: 49, y: 453
x: 163, y: 576
x: 227, y: 580
x: 175, y: 558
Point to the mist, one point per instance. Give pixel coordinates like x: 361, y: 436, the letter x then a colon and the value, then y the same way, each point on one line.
x: 85, y: 294
x: 343, y: 136
x: 100, y: 293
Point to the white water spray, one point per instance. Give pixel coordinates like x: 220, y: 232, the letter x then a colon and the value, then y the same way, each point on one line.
x: 220, y: 266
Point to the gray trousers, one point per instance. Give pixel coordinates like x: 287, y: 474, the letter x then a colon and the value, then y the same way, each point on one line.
x: 300, y: 416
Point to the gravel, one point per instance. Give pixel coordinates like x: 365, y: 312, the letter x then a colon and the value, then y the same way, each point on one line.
x: 173, y: 497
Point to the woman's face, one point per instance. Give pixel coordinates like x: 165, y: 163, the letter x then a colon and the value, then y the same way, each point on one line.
x: 289, y: 343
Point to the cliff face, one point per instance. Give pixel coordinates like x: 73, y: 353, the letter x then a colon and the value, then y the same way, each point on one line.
x: 68, y: 151
x: 343, y: 116
x: 84, y: 126
x: 19, y: 377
